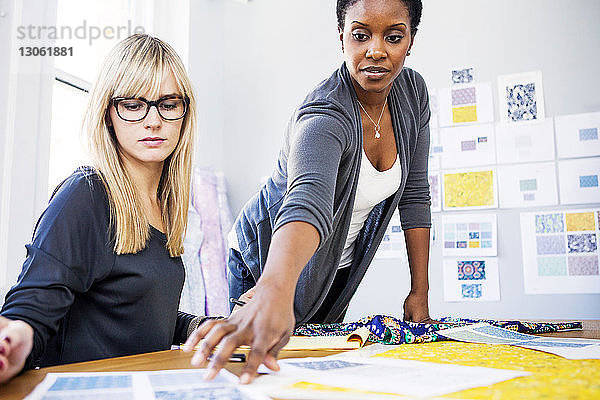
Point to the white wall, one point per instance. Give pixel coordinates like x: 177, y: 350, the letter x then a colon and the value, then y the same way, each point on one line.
x: 253, y: 63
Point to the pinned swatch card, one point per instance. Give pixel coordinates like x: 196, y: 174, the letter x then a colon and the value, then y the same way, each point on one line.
x: 467, y: 146
x: 579, y: 180
x: 469, y: 189
x: 578, y: 135
x: 392, y: 245
x: 435, y: 149
x: 560, y: 251
x: 527, y: 185
x: 521, y: 97
x: 471, y: 279
x: 517, y: 143
x: 435, y: 191
x: 469, y: 235
x: 466, y: 104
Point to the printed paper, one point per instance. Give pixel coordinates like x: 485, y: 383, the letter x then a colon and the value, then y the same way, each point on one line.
x: 521, y: 97
x: 467, y: 146
x: 578, y: 135
x: 518, y: 143
x: 435, y: 191
x: 527, y: 185
x: 469, y: 235
x: 471, y: 279
x: 465, y: 104
x: 579, y: 181
x: 469, y: 189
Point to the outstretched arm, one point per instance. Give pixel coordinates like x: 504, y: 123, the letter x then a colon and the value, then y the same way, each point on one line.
x: 266, y: 322
x: 416, y: 308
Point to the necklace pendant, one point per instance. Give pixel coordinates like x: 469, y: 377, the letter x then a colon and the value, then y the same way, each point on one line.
x: 377, y: 134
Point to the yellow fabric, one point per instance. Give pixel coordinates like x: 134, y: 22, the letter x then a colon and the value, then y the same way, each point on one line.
x: 552, y: 377
x: 464, y: 114
x: 469, y: 189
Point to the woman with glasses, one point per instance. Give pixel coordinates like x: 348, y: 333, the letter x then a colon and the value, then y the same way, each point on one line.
x: 103, y: 273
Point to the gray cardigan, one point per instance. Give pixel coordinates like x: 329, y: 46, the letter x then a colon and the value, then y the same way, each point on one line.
x: 315, y: 181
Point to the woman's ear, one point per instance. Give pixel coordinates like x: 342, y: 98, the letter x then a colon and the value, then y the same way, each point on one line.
x: 341, y: 38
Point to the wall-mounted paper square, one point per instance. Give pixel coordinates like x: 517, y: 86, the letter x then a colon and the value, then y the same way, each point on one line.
x: 519, y: 143
x: 433, y: 107
x: 392, y: 245
x: 435, y: 186
x: 462, y: 75
x: 560, y: 251
x: 471, y: 279
x: 435, y: 149
x: 577, y: 135
x: 527, y: 185
x: 469, y: 235
x: 578, y: 180
x: 471, y: 103
x: 468, y: 146
x: 521, y: 97
x: 469, y: 189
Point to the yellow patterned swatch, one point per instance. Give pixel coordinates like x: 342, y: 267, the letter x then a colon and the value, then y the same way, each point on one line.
x: 464, y: 114
x: 469, y: 189
x: 552, y: 377
x: 580, y: 221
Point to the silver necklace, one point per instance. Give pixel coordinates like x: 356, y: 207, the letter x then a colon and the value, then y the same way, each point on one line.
x: 378, y: 124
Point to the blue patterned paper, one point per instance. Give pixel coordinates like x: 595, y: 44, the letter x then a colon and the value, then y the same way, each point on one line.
x: 521, y: 102
x: 471, y: 290
x: 549, y: 223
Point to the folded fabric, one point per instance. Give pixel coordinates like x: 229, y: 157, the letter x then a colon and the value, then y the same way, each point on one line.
x: 389, y: 330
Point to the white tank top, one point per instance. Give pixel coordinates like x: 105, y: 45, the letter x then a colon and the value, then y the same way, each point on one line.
x: 373, y: 187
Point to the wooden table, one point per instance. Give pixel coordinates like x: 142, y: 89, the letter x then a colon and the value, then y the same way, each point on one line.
x: 22, y: 385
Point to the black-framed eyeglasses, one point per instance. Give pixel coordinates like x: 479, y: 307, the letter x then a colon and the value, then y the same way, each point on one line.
x: 134, y: 109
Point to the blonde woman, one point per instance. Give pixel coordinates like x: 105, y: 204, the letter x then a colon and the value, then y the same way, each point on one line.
x: 103, y: 273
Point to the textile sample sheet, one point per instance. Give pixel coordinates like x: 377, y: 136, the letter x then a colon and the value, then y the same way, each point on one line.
x: 521, y: 97
x: 560, y: 251
x: 435, y: 191
x: 527, y: 185
x: 468, y: 103
x: 469, y: 235
x: 471, y: 279
x: 467, y: 146
x: 462, y: 75
x: 518, y: 143
x: 577, y: 135
x: 470, y: 189
x: 435, y: 149
x: 392, y: 245
x: 579, y: 180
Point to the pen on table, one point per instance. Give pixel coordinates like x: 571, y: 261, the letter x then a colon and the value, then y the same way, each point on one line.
x: 237, y: 302
x: 235, y: 357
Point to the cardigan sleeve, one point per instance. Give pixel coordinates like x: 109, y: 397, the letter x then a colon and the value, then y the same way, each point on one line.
x: 415, y: 204
x: 316, y: 144
x: 67, y: 254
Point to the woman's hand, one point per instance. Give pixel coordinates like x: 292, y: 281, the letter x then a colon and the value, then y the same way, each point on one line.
x: 16, y: 341
x: 246, y: 297
x: 265, y: 324
x: 416, y: 309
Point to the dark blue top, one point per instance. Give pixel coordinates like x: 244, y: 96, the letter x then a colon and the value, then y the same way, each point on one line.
x: 83, y: 300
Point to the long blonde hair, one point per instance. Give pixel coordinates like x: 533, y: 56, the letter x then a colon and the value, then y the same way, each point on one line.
x: 135, y: 68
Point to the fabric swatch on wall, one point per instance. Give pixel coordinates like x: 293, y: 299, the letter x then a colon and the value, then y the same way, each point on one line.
x: 521, y: 101
x: 588, y: 134
x: 552, y: 266
x: 549, y: 223
x: 527, y: 184
x: 471, y: 290
x: 468, y: 145
x: 582, y: 243
x: 580, y: 221
x: 463, y: 75
x: 464, y: 114
x: 463, y: 96
x: 550, y: 244
x: 469, y: 189
x: 585, y: 265
x: 588, y: 181
x: 471, y: 270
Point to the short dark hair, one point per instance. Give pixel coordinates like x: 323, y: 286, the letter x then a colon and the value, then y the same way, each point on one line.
x: 415, y: 8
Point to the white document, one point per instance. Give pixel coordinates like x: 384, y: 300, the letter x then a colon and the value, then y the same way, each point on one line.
x: 471, y: 279
x: 518, y: 143
x: 466, y: 235
x: 435, y: 150
x: 471, y: 103
x: 578, y: 135
x: 521, y: 97
x: 527, y: 185
x: 466, y: 146
x: 572, y: 348
x: 392, y: 245
x: 143, y: 385
x: 435, y: 190
x: 385, y: 375
x: 560, y: 251
x: 579, y: 180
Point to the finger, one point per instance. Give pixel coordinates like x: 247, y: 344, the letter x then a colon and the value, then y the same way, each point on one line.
x: 249, y: 294
x: 199, y: 333
x: 270, y: 360
x: 256, y: 357
x: 211, y: 340
x: 222, y: 355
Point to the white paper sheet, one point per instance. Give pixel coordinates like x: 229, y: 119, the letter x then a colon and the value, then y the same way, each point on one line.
x: 578, y: 135
x: 392, y: 245
x: 471, y: 279
x: 579, y: 181
x: 143, y: 385
x: 453, y: 103
x: 521, y: 97
x: 405, y: 377
x: 518, y: 143
x: 467, y: 235
x: 527, y: 185
x: 560, y: 251
x: 469, y: 189
x: 466, y: 146
x: 435, y: 150
x: 572, y: 348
